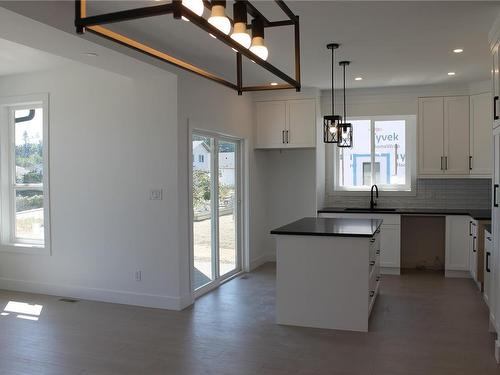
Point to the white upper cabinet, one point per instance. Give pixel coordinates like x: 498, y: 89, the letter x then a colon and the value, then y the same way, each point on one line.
x: 301, y: 123
x: 286, y: 124
x: 495, y: 79
x: 431, y: 136
x: 480, y: 135
x: 271, y: 124
x: 456, y: 135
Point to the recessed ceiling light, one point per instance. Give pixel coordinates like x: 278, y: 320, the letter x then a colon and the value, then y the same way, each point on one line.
x: 358, y: 78
x: 91, y: 54
x: 458, y: 50
x: 451, y: 73
x: 274, y: 83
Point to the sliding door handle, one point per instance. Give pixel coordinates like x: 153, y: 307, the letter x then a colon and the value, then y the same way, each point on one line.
x: 495, y: 203
x: 495, y: 104
x: 488, y: 254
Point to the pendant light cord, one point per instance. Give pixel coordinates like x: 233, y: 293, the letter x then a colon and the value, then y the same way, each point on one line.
x: 344, y: 95
x: 333, y: 87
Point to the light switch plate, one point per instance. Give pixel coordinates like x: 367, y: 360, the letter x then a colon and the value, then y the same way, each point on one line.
x: 156, y: 194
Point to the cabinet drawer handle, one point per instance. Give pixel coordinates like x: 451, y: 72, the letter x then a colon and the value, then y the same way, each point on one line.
x: 283, y: 136
x: 495, y: 187
x: 446, y: 163
x: 287, y: 137
x: 372, y: 293
x: 488, y: 261
x: 488, y: 238
x: 470, y: 228
x: 372, y: 240
x: 470, y: 163
x: 377, y: 252
x: 378, y: 278
x: 442, y: 165
x: 474, y: 244
x: 372, y: 263
x: 495, y: 114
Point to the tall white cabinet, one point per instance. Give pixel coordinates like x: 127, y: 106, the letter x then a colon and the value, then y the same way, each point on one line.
x: 453, y: 136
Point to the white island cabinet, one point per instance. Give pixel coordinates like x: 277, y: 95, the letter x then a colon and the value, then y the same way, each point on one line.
x: 328, y: 272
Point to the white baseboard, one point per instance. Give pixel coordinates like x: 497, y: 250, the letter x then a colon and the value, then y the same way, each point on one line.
x: 390, y: 270
x: 94, y: 294
x: 260, y: 260
x: 457, y: 274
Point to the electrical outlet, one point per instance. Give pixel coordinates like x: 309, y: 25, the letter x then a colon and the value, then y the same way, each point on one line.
x: 138, y: 275
x: 156, y: 194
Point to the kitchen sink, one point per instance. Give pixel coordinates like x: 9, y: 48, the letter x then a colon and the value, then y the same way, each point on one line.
x: 368, y: 209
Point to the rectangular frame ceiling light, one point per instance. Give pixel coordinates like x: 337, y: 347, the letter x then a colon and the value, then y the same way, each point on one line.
x: 94, y: 24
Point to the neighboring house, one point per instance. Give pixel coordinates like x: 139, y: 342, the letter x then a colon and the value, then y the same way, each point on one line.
x: 226, y: 168
x: 201, y: 161
x: 201, y: 156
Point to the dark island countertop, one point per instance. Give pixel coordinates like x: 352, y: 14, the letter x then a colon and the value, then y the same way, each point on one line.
x: 320, y: 226
x: 477, y: 214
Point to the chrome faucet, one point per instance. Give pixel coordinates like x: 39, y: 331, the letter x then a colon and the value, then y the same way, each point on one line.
x: 372, y: 202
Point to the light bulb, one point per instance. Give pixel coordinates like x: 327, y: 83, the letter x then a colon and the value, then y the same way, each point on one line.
x: 195, y: 6
x: 258, y: 47
x: 332, y: 129
x: 219, y: 20
x: 240, y: 34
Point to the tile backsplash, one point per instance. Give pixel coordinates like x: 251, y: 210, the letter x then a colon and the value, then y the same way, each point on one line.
x: 431, y: 193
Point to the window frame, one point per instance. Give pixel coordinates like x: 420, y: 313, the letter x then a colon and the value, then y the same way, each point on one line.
x: 332, y: 160
x: 8, y: 185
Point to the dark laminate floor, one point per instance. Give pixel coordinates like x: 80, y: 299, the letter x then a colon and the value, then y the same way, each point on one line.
x: 422, y: 324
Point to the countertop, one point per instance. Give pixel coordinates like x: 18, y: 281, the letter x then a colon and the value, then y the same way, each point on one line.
x: 320, y: 226
x: 477, y: 214
x: 487, y: 227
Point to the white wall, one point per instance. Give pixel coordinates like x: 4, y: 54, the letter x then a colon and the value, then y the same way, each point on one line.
x: 112, y: 139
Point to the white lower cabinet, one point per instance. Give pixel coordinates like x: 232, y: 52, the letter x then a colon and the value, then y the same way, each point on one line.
x: 488, y: 251
x: 457, y: 257
x: 473, y: 245
x: 390, y: 251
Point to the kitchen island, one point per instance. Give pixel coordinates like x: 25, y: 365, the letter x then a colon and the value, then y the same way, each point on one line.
x: 327, y: 272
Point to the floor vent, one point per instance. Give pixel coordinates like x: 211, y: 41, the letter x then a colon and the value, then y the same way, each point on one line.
x: 244, y: 277
x: 70, y: 300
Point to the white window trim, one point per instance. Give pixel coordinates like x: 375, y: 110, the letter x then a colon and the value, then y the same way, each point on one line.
x: 332, y: 155
x: 6, y: 210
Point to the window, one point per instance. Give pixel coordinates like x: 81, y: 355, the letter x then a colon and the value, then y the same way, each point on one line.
x: 383, y: 153
x: 24, y: 177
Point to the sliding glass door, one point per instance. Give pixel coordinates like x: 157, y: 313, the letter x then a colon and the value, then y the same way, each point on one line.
x: 215, y: 209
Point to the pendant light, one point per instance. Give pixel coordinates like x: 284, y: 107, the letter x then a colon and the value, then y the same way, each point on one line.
x: 195, y: 6
x: 344, y: 128
x: 240, y: 34
x: 331, y: 122
x: 258, y: 46
x: 218, y: 17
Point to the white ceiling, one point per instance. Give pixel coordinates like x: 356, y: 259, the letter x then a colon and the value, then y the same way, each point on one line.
x: 16, y: 59
x: 391, y: 43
